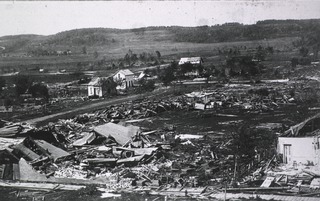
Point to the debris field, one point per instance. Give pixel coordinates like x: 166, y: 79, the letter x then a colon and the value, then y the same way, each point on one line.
x: 116, y: 150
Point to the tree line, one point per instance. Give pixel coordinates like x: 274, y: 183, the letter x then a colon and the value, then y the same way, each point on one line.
x: 240, y: 32
x: 22, y: 84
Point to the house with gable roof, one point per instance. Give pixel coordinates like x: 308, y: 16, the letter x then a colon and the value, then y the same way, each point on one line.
x: 124, y: 78
x: 99, y: 87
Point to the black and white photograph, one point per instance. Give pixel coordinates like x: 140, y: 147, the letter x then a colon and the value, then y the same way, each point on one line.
x: 158, y: 100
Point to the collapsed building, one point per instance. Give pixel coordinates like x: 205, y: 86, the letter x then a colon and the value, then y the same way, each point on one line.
x: 300, y: 143
x: 107, y: 148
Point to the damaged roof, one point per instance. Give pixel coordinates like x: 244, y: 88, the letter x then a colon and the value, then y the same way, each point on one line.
x: 192, y: 60
x: 125, y: 72
x: 309, y: 127
x: 94, y: 82
x: 122, y: 134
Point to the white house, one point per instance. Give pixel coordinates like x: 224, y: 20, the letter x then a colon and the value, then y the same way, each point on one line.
x: 125, y: 77
x: 101, y: 86
x: 192, y: 60
x: 95, y: 88
x: 195, y: 62
x: 300, y: 143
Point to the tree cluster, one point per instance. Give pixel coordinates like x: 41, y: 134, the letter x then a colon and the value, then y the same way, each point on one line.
x: 146, y: 85
x: 247, y: 142
x: 2, y: 83
x: 168, y: 74
x: 243, y: 66
x: 309, y: 42
x: 41, y: 51
x: 79, y: 37
x: 131, y: 58
x: 23, y: 84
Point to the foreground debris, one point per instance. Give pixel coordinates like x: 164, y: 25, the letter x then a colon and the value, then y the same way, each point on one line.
x: 108, y: 150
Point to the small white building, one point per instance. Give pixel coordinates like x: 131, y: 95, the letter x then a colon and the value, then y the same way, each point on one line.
x: 196, y: 62
x: 124, y: 78
x: 101, y: 86
x: 191, y: 60
x: 95, y: 88
x: 301, y: 143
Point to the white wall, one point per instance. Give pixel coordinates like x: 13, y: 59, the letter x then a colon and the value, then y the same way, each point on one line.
x: 120, y: 76
x: 302, y: 149
x: 91, y: 90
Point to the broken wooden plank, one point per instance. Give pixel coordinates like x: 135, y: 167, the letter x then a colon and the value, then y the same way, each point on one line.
x: 138, y: 151
x: 130, y: 161
x: 87, y: 139
x: 188, y: 136
x: 314, y: 174
x: 55, y: 152
x: 179, y: 192
x: 3, y: 167
x: 111, y: 161
x: 5, y: 143
x: 10, y: 131
x: 258, y: 188
x: 40, y: 186
x: 144, y: 151
x: 267, y: 182
x: 149, y: 132
x: 16, y: 172
x: 27, y: 153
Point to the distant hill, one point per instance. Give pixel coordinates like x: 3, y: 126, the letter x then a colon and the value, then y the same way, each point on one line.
x: 91, y: 47
x: 115, y: 38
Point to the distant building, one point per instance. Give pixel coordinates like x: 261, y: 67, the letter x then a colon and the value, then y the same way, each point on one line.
x: 143, y: 75
x: 99, y: 87
x: 191, y: 60
x: 124, y: 78
x: 194, y: 61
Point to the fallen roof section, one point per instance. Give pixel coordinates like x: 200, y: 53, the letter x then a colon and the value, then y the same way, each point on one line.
x: 308, y: 126
x: 121, y: 134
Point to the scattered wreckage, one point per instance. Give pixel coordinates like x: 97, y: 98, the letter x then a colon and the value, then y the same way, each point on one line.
x: 108, y: 150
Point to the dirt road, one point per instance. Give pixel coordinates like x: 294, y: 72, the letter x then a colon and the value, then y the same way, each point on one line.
x: 91, y: 107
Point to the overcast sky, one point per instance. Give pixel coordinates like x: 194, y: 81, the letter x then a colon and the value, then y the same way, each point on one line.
x: 49, y: 17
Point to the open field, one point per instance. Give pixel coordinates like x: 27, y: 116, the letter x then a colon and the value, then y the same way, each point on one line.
x: 149, y: 41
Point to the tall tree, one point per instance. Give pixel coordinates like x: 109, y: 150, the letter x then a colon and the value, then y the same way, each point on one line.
x: 158, y: 54
x: 22, y: 83
x: 167, y: 75
x: 130, y: 58
x: 311, y: 41
x: 95, y: 54
x: 39, y: 90
x: 84, y: 50
x: 2, y: 83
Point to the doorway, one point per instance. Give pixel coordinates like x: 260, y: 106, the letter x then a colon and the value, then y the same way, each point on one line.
x: 287, y: 153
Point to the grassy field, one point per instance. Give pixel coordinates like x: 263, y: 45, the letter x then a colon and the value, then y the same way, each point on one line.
x: 147, y: 41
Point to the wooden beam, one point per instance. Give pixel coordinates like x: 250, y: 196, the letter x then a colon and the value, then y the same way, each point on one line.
x: 40, y: 186
x: 50, y: 150
x: 258, y: 188
x: 16, y: 172
x: 26, y: 152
